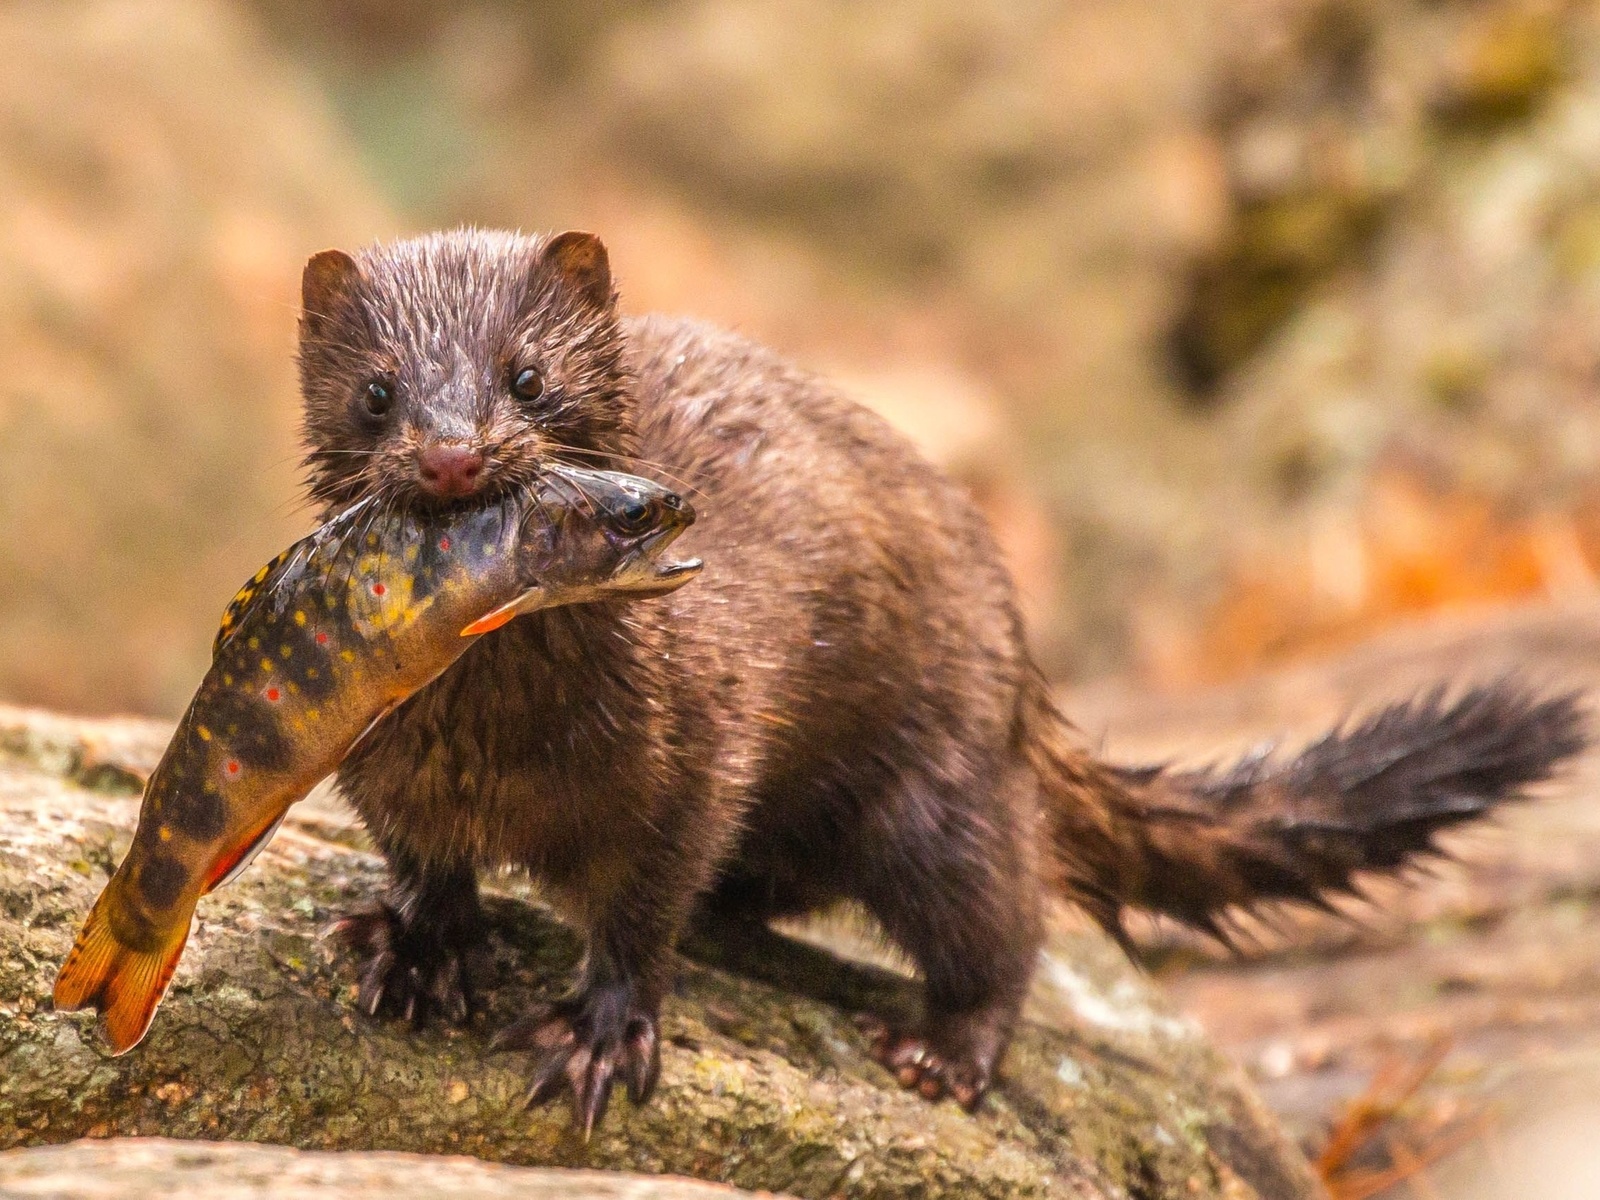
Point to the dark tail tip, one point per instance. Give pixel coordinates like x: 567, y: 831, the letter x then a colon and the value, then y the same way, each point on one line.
x: 1435, y: 761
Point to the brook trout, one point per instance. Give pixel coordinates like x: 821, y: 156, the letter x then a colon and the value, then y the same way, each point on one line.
x: 313, y: 651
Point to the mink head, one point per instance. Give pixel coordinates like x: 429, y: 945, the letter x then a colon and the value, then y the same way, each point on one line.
x: 449, y: 367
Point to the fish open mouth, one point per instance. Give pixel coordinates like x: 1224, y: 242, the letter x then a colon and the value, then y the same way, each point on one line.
x: 679, y: 572
x: 642, y: 575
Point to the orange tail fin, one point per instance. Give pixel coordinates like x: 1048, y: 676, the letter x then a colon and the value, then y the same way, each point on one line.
x: 122, y: 984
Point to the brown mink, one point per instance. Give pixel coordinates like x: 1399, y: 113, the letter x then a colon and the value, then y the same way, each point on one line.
x: 841, y: 708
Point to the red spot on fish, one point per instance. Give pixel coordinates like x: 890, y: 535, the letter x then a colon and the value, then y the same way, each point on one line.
x: 274, y: 694
x: 322, y: 639
x: 233, y: 766
x: 378, y: 589
x: 444, y: 545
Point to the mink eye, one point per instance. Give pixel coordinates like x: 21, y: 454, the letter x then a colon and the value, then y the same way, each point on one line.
x: 527, y: 384
x: 378, y: 398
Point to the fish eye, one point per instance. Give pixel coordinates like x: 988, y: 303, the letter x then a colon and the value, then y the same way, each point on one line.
x: 378, y: 398
x: 633, y: 515
x: 527, y: 384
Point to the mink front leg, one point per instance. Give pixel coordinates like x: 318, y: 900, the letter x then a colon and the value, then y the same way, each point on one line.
x: 607, y: 1027
x: 418, y: 942
x: 632, y: 896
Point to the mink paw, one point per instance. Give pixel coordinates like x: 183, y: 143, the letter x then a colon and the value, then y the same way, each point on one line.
x: 583, y: 1045
x: 409, y: 973
x: 921, y: 1064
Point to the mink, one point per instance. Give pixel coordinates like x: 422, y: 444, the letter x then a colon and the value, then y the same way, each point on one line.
x: 841, y: 709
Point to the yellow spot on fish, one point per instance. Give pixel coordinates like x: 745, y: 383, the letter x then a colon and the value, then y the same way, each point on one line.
x: 299, y: 617
x: 254, y: 643
x: 164, y: 833
x: 348, y: 655
x: 227, y: 680
x: 313, y: 715
x: 205, y: 734
x: 261, y: 575
x: 284, y: 651
x: 266, y: 664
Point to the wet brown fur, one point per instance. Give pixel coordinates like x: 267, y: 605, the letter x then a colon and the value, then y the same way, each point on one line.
x: 841, y: 707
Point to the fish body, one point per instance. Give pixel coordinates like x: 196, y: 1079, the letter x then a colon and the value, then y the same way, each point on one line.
x: 312, y: 652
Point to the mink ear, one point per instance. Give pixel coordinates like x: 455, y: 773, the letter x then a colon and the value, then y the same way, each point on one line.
x: 326, y: 288
x: 580, y: 260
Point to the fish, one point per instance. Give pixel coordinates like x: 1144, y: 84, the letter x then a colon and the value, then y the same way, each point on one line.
x: 312, y: 653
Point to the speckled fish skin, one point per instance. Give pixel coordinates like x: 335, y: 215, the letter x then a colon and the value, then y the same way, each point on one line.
x: 323, y: 641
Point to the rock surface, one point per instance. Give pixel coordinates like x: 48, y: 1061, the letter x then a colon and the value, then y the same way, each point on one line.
x: 1106, y: 1092
x: 134, y: 1168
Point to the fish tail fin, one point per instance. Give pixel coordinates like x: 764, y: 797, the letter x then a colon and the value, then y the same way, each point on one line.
x: 122, y: 984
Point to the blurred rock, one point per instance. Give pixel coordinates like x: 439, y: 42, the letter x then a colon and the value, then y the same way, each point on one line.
x: 165, y: 173
x: 1220, y: 264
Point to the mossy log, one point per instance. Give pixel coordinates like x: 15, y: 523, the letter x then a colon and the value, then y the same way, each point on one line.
x: 766, y: 1082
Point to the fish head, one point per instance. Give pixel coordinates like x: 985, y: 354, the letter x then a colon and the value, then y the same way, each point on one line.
x: 595, y: 535
x: 606, y: 534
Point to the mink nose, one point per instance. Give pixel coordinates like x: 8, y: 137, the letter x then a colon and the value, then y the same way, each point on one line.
x: 450, y: 470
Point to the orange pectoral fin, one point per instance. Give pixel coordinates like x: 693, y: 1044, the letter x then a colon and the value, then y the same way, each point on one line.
x: 493, y: 620
x: 122, y: 984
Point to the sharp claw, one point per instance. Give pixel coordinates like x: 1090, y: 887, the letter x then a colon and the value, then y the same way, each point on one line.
x: 643, y: 1061
x: 374, y: 984
x: 596, y: 1092
x: 526, y: 1033
x: 906, y: 1054
x: 547, y: 1081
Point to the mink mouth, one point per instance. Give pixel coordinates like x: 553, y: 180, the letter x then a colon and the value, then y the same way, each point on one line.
x: 493, y: 491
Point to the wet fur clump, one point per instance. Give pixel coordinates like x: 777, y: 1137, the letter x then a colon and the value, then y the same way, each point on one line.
x: 842, y: 707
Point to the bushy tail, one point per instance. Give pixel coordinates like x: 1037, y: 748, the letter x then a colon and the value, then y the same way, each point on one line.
x: 1370, y: 797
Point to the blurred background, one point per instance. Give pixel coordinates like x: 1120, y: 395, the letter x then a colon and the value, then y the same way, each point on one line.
x: 1257, y: 326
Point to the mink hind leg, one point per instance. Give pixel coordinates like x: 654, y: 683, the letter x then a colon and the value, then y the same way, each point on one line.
x: 419, y: 944
x: 951, y: 874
